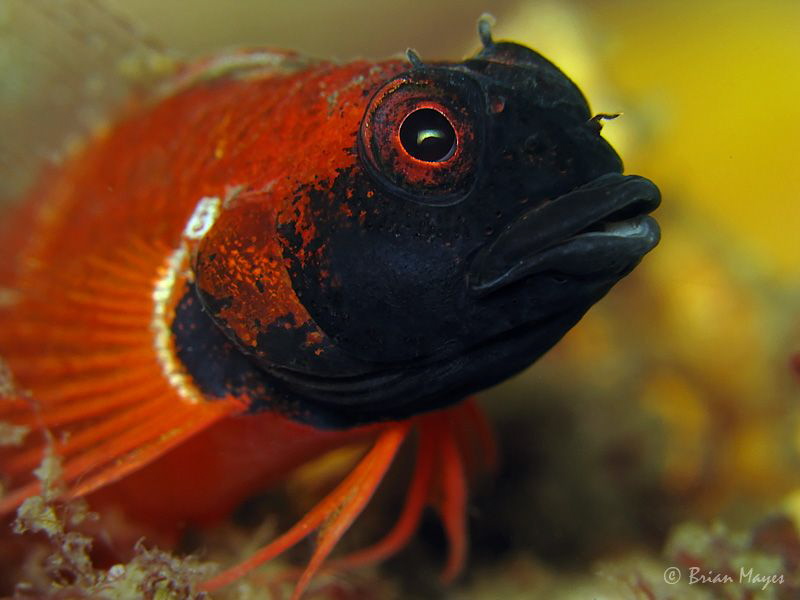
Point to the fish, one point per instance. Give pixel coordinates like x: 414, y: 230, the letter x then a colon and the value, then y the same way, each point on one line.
x: 274, y: 257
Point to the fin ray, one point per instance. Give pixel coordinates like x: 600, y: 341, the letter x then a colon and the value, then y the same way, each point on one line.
x: 82, y: 363
x: 82, y: 342
x: 190, y: 424
x: 87, y: 435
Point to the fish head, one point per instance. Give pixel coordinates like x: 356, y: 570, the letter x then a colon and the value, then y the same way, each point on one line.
x: 481, y: 216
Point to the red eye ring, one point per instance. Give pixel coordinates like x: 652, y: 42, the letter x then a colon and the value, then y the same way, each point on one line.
x: 421, y: 135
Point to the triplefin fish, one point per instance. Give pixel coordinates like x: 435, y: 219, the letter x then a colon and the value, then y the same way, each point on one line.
x: 278, y: 257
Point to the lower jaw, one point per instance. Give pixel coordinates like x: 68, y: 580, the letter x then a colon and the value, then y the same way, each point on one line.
x: 438, y: 384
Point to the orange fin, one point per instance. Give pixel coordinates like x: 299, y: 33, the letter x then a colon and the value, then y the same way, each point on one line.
x: 451, y: 444
x: 446, y: 440
x: 86, y: 468
x: 416, y: 500
x: 82, y: 345
x: 453, y: 504
x: 333, y: 515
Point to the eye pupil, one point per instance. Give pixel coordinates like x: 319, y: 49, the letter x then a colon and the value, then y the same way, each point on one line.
x: 427, y: 135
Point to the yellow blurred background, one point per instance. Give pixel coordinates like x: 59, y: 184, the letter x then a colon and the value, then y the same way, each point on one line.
x: 673, y: 399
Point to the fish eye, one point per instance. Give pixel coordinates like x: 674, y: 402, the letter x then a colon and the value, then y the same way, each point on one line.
x: 427, y: 135
x: 421, y: 137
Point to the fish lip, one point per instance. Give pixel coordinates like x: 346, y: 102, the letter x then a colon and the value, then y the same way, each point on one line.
x: 597, y: 229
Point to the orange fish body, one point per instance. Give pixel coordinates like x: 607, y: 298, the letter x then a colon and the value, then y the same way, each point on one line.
x: 278, y: 257
x: 128, y: 199
x: 83, y: 326
x: 94, y: 278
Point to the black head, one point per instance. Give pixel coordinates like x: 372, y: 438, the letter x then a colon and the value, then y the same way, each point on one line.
x: 483, y: 214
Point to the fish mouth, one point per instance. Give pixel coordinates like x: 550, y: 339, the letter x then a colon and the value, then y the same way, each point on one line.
x: 598, y: 230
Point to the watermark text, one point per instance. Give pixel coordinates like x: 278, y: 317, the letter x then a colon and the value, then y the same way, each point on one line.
x: 745, y: 576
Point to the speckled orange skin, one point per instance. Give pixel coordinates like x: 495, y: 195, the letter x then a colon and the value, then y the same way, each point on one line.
x: 83, y: 254
x: 315, y: 116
